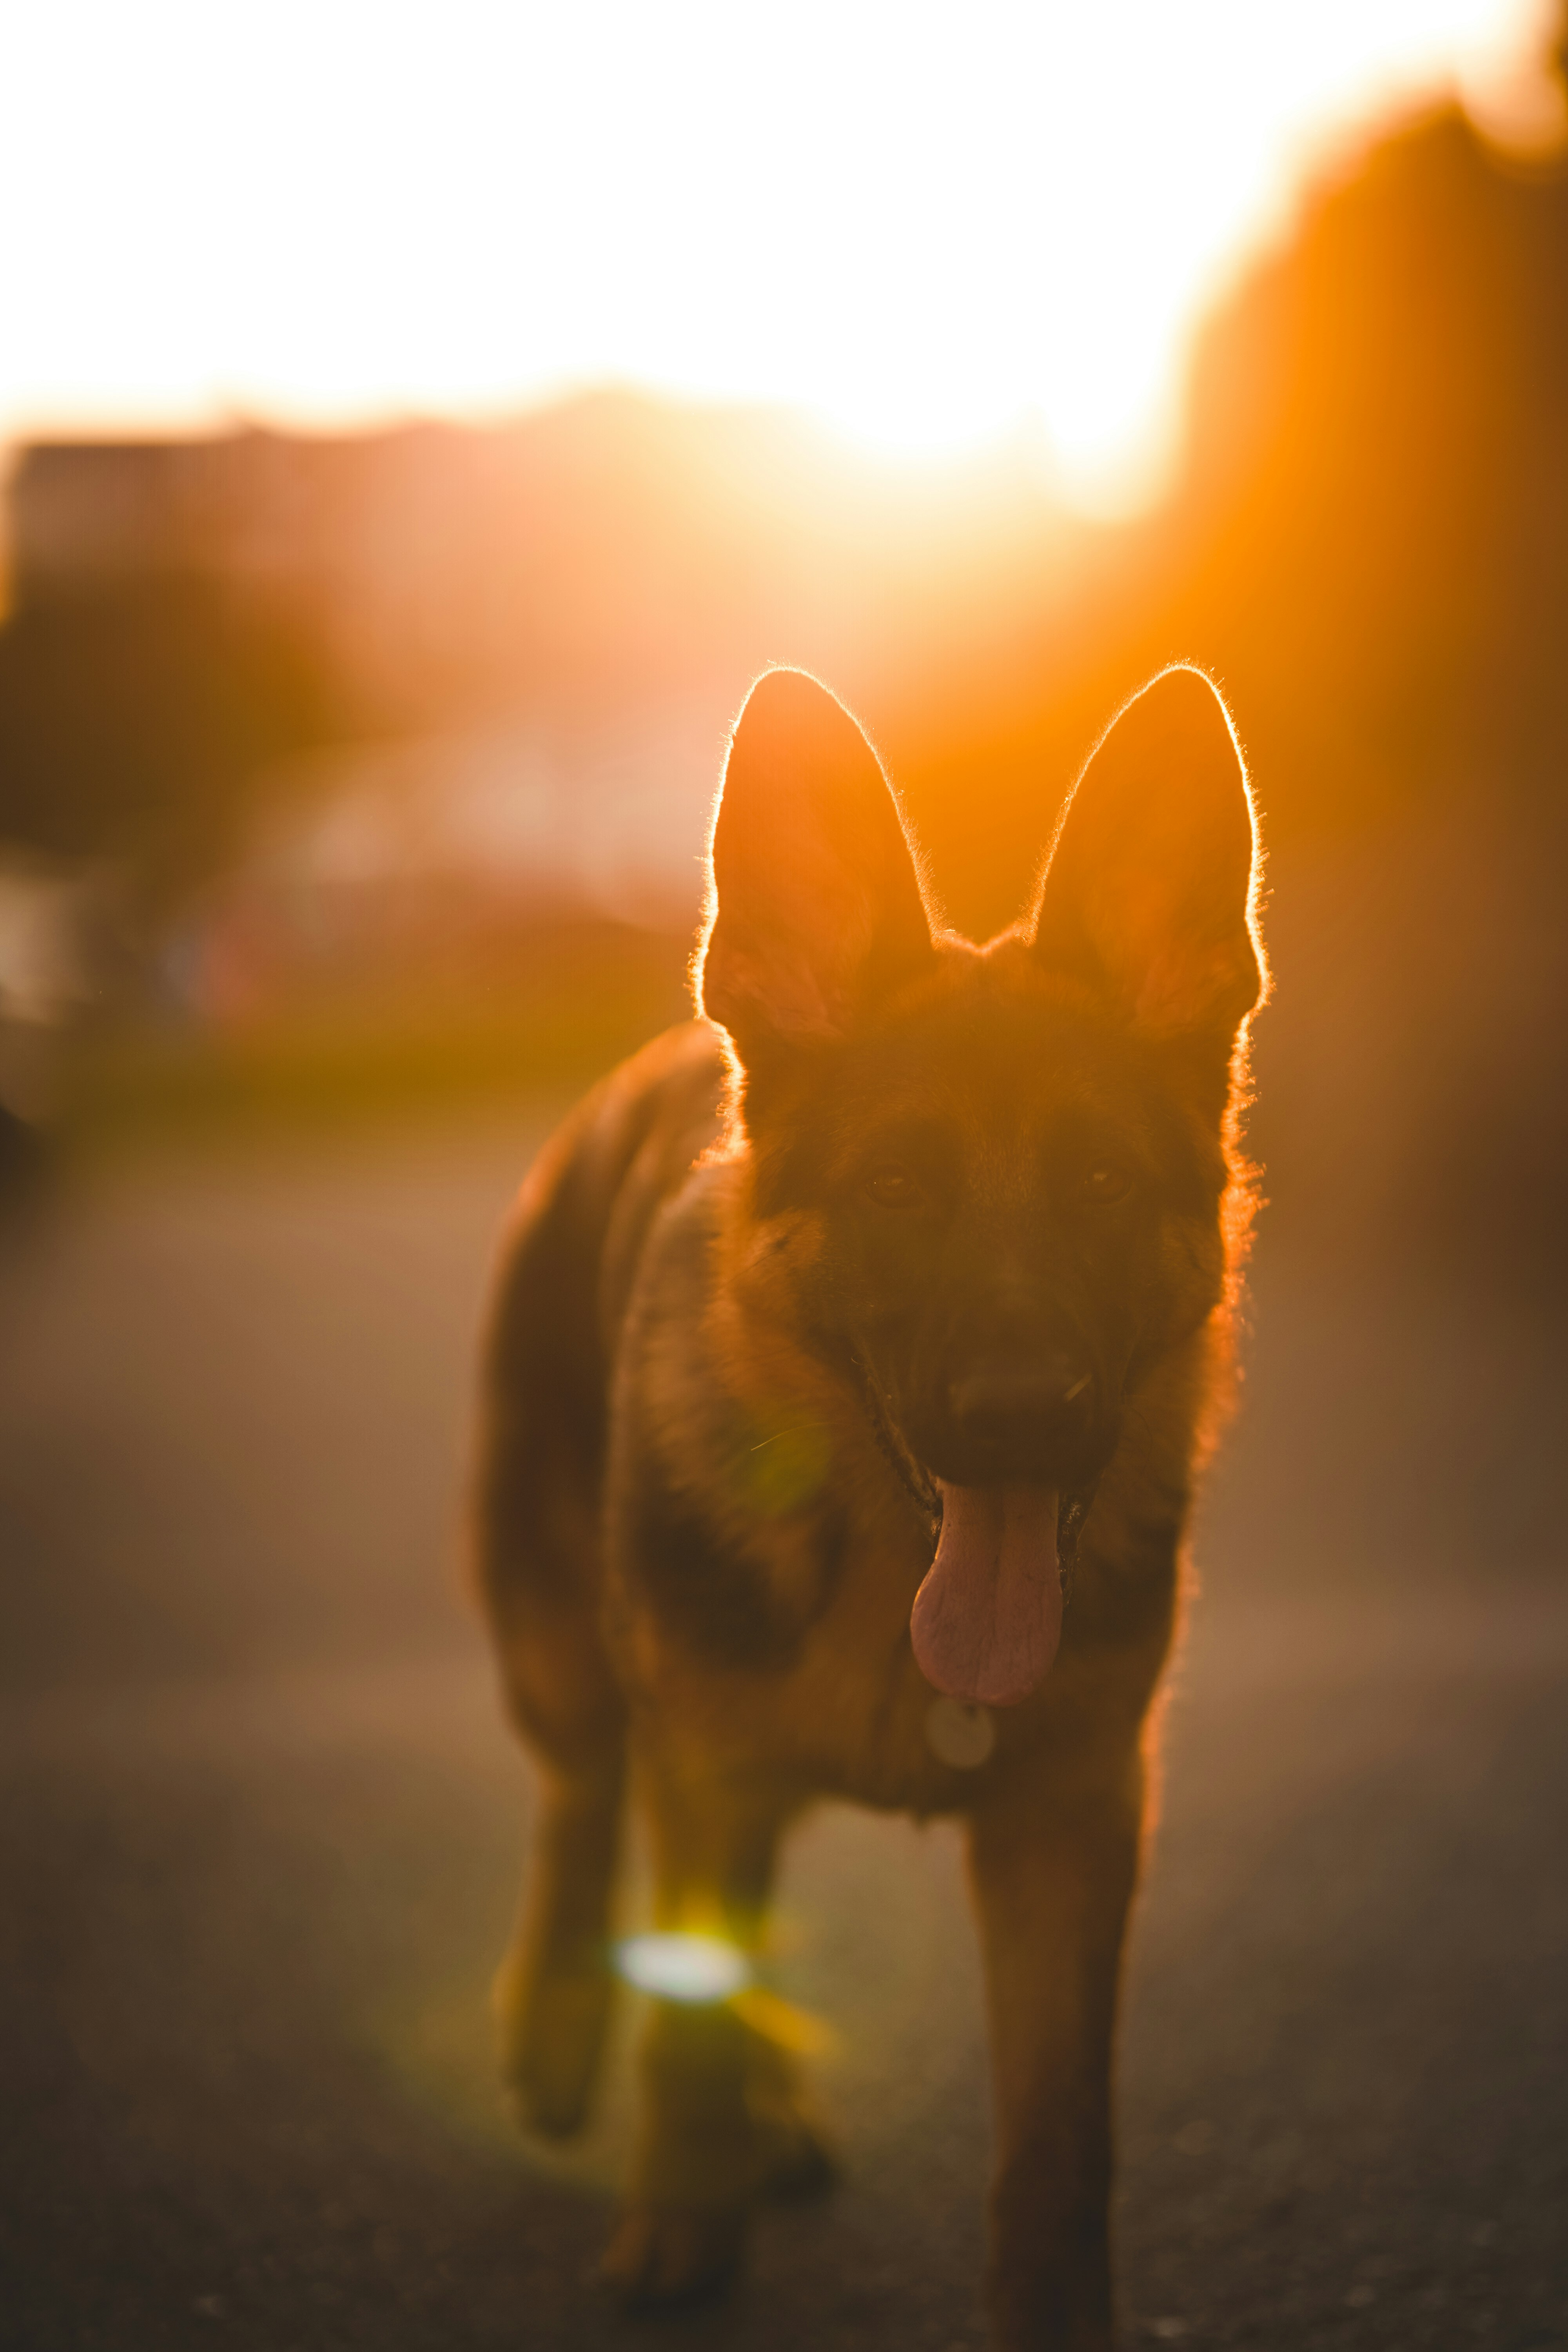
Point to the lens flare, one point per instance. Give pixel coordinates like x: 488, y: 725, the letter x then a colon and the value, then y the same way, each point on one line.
x: 689, y: 1967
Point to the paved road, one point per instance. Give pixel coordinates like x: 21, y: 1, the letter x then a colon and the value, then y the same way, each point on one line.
x: 261, y: 1833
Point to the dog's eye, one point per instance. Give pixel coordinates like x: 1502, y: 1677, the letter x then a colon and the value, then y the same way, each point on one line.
x: 1104, y: 1186
x: 893, y: 1188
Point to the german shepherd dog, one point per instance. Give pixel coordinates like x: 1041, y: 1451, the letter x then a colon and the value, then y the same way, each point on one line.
x: 854, y: 1351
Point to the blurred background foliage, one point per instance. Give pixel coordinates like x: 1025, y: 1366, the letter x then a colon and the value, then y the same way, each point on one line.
x: 375, y: 767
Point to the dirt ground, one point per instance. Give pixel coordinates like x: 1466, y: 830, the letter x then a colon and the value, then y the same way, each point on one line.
x: 262, y: 1832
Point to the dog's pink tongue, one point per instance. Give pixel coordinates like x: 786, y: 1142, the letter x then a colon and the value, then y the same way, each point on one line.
x: 987, y: 1620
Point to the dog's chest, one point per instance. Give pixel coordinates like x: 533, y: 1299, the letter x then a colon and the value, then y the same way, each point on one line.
x: 848, y: 1715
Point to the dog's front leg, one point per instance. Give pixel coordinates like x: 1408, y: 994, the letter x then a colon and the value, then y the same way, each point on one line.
x: 697, y: 2166
x: 1053, y: 1860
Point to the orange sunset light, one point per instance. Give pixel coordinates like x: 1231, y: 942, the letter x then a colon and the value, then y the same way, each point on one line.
x: 929, y: 224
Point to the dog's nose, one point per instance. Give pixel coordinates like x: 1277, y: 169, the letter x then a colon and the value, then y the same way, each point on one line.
x: 1001, y: 1398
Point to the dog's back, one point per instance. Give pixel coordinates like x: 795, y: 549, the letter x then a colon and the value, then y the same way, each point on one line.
x: 567, y: 1268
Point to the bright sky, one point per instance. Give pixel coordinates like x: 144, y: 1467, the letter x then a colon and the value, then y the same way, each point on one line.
x: 925, y: 222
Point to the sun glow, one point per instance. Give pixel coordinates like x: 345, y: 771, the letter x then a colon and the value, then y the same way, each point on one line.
x: 930, y: 225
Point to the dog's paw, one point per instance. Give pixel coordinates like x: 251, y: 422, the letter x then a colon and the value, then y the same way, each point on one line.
x: 666, y: 2255
x: 552, y: 2032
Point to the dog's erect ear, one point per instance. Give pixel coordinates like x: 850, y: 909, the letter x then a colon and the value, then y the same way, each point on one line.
x: 1150, y: 890
x: 816, y: 910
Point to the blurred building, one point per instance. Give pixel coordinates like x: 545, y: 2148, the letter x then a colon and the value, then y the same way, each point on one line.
x: 613, y: 547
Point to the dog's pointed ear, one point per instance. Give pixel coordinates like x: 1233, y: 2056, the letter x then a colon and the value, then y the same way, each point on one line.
x: 1150, y: 895
x: 815, y: 907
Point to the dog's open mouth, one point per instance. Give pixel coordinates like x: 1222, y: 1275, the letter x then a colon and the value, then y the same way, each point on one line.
x: 987, y: 1620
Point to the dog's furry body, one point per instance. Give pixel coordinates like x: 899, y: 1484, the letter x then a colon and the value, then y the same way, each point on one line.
x: 773, y: 1311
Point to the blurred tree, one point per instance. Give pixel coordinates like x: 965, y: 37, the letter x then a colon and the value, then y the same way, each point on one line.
x: 1369, y: 542
x: 1379, y: 492
x: 136, y: 716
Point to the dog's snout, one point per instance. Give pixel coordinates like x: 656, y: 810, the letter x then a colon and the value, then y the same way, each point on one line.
x: 1014, y: 1407
x: 1002, y: 1398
